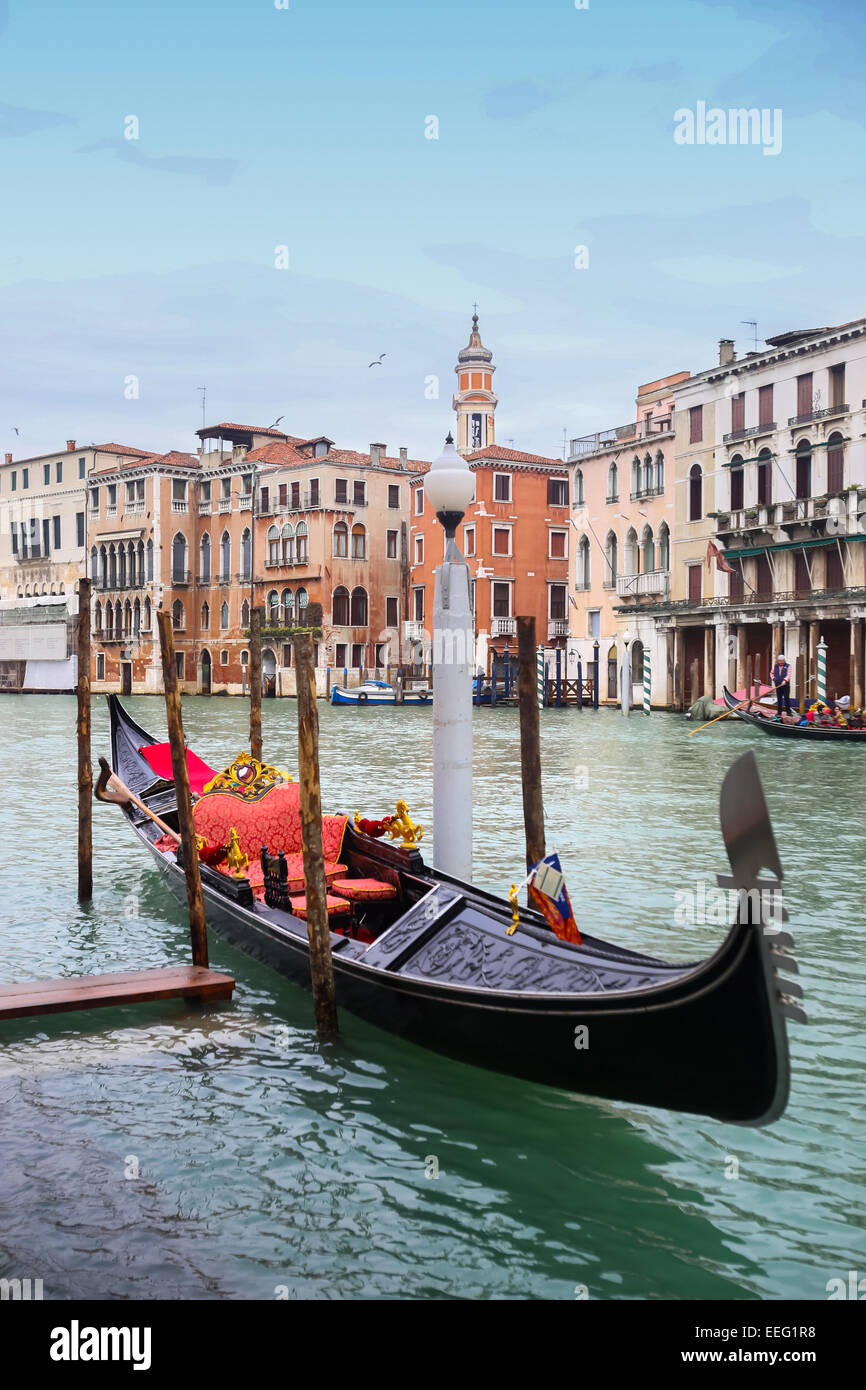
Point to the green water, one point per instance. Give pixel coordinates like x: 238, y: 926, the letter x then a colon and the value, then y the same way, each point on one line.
x: 266, y: 1161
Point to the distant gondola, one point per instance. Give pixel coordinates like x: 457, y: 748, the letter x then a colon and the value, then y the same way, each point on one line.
x: 771, y: 725
x: 433, y: 963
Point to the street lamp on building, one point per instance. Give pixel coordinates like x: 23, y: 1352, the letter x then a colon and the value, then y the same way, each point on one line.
x: 449, y: 487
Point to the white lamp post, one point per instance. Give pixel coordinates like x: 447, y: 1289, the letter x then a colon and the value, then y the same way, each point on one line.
x: 449, y: 486
x: 625, y: 675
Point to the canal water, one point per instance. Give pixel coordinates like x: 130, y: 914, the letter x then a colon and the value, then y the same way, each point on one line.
x: 158, y: 1151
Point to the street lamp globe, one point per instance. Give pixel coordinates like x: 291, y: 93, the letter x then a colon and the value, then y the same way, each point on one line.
x: 449, y: 486
x: 626, y: 637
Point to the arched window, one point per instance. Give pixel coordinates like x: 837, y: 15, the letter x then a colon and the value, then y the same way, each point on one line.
x: 287, y: 603
x: 613, y: 483
x: 245, y: 613
x: 648, y: 550
x: 62, y: 589
x: 647, y: 474
x: 583, y: 563
x: 341, y: 540
x: 696, y: 492
x: 136, y: 618
x: 630, y: 553
x: 765, y: 478
x: 287, y: 541
x: 94, y: 565
x: 150, y: 561
x: 611, y: 559
x: 205, y: 616
x: 301, y: 604
x: 358, y: 613
x: 20, y: 591
x: 273, y: 607
x: 737, y: 483
x: 245, y: 658
x: 112, y: 567
x: 109, y: 622
x: 178, y: 617
x: 121, y: 566
x: 147, y: 618
x: 103, y: 567
x: 301, y: 552
x: 660, y: 472
x: 664, y: 547
x: 579, y: 497
x: 835, y: 463
x: 178, y: 559
x: 131, y: 565
x: 340, y: 607
x: 635, y: 475
x: 97, y: 617
x: 359, y: 542
x: 804, y: 469
x: 224, y: 657
x: 246, y: 553
x: 118, y: 620
x: 225, y: 555
x: 140, y: 563
x: 204, y: 559
x: 224, y: 616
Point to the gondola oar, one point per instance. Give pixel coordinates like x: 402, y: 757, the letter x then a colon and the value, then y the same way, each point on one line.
x: 733, y: 710
x: 110, y: 788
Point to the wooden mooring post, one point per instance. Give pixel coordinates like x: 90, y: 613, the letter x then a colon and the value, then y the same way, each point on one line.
x: 530, y: 744
x: 189, y: 844
x: 801, y: 683
x: 256, y: 618
x: 315, y: 886
x: 85, y: 766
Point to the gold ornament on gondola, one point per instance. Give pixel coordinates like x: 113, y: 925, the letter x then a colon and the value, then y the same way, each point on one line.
x: 398, y: 827
x: 237, y: 861
x: 246, y: 777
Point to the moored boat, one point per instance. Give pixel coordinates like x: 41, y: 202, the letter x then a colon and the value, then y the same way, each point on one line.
x: 432, y: 959
x: 372, y: 692
x: 766, y: 720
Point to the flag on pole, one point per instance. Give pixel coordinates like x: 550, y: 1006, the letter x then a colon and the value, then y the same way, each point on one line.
x: 548, y: 893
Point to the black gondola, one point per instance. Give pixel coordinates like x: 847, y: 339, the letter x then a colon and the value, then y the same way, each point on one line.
x: 771, y: 725
x: 707, y: 1037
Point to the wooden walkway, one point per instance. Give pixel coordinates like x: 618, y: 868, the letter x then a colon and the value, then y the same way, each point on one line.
x: 110, y: 991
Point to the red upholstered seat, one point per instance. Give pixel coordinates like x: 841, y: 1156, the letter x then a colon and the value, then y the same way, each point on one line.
x: 336, y: 906
x: 274, y: 820
x: 363, y: 889
x: 295, y: 866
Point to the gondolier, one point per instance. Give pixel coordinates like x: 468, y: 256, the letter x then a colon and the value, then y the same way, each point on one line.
x: 781, y: 678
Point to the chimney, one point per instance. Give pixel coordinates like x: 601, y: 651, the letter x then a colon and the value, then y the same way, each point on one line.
x: 8, y: 458
x: 377, y: 453
x: 70, y: 446
x: 726, y: 352
x: 404, y: 458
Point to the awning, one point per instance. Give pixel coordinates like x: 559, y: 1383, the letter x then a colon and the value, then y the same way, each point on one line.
x: 789, y: 545
x: 103, y: 536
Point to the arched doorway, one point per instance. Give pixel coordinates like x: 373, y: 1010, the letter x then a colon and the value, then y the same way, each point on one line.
x: 205, y: 673
x: 269, y: 673
x: 637, y: 669
x: 612, y: 675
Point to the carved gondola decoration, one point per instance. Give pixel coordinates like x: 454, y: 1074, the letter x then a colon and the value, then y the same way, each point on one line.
x: 431, y: 959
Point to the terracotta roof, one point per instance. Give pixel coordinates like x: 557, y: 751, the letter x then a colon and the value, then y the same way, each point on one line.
x: 496, y: 451
x: 120, y: 449
x: 244, y: 429
x: 280, y: 455
x: 174, y: 459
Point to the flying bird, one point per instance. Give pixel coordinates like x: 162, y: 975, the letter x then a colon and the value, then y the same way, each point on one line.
x: 276, y: 422
x: 378, y: 361
x: 15, y: 428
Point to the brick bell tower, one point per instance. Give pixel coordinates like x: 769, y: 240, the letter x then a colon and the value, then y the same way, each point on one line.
x: 474, y: 401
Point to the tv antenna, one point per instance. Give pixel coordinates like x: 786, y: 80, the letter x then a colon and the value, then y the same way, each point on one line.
x: 203, y: 390
x: 753, y: 324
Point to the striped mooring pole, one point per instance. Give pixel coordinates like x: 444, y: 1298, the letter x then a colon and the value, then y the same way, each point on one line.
x: 646, y: 680
x: 822, y: 669
x: 539, y: 675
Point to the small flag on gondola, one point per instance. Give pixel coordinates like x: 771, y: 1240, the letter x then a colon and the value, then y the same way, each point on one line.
x: 547, y: 892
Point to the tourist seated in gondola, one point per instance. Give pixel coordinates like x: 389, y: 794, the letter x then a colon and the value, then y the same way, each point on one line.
x: 781, y: 678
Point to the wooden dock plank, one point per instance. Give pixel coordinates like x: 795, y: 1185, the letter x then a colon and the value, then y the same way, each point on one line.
x: 122, y: 987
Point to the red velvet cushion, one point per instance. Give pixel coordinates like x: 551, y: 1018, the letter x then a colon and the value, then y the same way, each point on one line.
x: 274, y: 820
x: 335, y: 906
x: 363, y: 889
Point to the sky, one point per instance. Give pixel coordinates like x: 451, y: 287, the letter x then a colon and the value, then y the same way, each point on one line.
x: 281, y: 217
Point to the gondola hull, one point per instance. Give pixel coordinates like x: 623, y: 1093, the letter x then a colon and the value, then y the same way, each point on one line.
x: 815, y: 732
x: 595, y: 1020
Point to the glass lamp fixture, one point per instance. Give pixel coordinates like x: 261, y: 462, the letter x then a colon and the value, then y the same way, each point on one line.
x: 449, y: 486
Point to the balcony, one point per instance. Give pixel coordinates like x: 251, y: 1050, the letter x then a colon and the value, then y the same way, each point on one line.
x: 651, y: 582
x: 827, y: 413
x: 641, y: 493
x: 557, y: 627
x: 245, y: 502
x: 224, y: 504
x: 634, y: 432
x: 179, y: 506
x: 503, y: 627
x: 734, y: 436
x: 180, y: 578
x: 111, y: 510
x: 312, y: 501
x: 134, y: 508
x: 413, y: 631
x: 205, y: 506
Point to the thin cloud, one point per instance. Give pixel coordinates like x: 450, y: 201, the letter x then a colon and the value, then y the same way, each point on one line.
x: 214, y: 171
x: 20, y: 120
